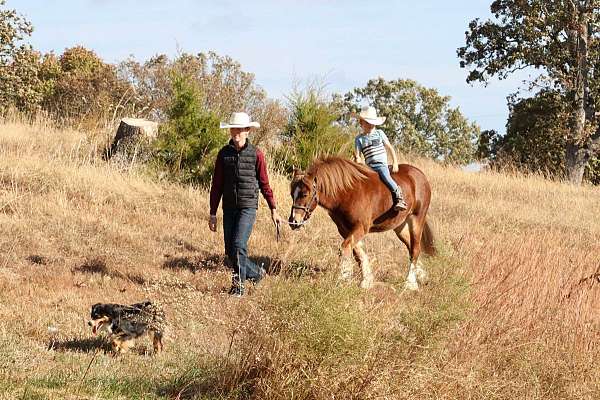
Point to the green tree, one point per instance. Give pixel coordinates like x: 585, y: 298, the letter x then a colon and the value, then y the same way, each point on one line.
x: 486, y: 145
x: 18, y: 62
x: 311, y: 131
x: 189, y: 141
x: 536, y: 135
x: 418, y: 120
x: 561, y: 40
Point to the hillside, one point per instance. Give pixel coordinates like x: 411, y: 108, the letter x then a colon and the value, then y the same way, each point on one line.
x: 511, y: 309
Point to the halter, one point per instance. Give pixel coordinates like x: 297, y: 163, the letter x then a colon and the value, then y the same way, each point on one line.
x: 307, y: 209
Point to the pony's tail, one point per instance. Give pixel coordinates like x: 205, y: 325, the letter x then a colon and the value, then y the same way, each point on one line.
x: 427, y: 240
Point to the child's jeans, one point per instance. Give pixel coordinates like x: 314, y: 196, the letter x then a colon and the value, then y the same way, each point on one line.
x: 385, y: 176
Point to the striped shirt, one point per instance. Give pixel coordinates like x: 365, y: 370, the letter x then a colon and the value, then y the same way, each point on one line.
x: 371, y: 147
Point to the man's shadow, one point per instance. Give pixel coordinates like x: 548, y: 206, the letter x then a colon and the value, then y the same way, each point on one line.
x: 214, y: 262
x: 294, y: 269
x: 194, y: 264
x: 97, y: 265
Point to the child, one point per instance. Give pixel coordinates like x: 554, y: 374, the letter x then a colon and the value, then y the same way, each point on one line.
x: 372, y: 143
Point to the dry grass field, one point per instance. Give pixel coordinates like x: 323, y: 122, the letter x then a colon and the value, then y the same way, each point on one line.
x: 511, y: 310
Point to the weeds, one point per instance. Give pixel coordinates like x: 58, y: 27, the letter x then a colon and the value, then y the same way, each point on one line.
x: 509, y: 312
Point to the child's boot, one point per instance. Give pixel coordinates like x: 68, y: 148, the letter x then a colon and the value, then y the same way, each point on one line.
x: 399, y: 203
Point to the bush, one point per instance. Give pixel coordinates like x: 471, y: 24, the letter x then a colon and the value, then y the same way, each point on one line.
x: 592, y: 172
x: 300, y: 340
x: 226, y: 88
x: 189, y: 141
x: 18, y: 63
x: 311, y: 131
x: 81, y: 89
x: 317, y: 339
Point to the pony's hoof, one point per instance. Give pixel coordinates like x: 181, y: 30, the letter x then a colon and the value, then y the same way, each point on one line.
x: 412, y: 286
x: 367, y: 283
x: 346, y: 276
x: 422, y: 275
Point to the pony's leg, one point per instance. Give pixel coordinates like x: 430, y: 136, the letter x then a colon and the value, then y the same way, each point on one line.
x: 422, y: 275
x: 363, y: 259
x: 415, y: 271
x: 403, y: 233
x: 411, y: 279
x: 416, y: 225
x: 348, y: 244
x: 346, y: 269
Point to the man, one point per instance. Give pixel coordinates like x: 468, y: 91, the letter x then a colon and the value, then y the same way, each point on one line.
x: 240, y: 170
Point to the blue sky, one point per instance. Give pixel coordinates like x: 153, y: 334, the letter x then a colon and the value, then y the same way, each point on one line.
x: 344, y: 43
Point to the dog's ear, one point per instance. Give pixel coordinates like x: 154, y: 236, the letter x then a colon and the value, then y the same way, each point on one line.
x: 95, y: 309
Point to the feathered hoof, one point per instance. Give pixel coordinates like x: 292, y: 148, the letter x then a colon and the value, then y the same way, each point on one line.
x: 412, y: 286
x: 345, y: 275
x: 422, y: 275
x: 367, y: 283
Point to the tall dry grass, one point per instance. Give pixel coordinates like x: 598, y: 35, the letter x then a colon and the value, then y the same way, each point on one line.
x: 511, y: 310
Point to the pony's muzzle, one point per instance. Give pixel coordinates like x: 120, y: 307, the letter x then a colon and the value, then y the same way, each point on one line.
x: 293, y: 223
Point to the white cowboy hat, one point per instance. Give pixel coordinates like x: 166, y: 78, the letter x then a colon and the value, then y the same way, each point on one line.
x: 369, y: 114
x: 239, y: 120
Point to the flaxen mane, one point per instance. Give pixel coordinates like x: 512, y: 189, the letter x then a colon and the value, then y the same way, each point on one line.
x: 336, y: 174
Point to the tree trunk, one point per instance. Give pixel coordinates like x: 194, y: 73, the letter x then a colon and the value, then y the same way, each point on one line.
x: 130, y: 131
x: 575, y: 156
x: 576, y: 161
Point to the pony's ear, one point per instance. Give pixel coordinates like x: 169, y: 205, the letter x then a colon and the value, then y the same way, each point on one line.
x: 298, y: 174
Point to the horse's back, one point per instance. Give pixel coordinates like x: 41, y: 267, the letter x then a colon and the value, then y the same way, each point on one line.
x: 417, y: 193
x: 419, y: 184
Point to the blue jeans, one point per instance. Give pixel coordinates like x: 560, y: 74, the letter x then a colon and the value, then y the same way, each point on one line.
x: 385, y: 176
x: 237, y: 227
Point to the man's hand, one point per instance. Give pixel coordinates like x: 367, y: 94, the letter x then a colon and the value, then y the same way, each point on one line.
x: 395, y: 168
x: 212, y: 223
x: 276, y: 218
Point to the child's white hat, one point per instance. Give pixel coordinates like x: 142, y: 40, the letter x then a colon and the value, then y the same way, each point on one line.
x: 369, y: 114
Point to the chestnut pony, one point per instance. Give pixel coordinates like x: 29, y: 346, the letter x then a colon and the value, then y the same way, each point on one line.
x: 359, y: 203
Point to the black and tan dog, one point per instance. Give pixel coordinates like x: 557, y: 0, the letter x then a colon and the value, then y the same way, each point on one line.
x: 126, y: 323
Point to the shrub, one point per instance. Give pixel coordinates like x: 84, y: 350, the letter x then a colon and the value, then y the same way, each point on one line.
x: 317, y: 339
x: 226, y: 88
x: 18, y: 63
x: 311, y: 131
x: 592, y: 172
x: 80, y: 88
x: 189, y: 141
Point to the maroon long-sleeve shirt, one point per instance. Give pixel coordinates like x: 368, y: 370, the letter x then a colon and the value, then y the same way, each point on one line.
x: 216, y: 189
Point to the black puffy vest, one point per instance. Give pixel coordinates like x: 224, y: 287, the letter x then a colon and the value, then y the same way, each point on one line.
x: 240, y: 189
